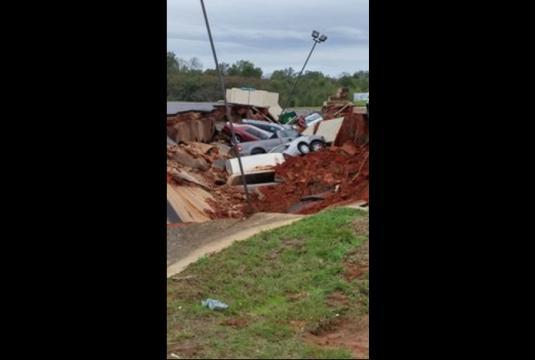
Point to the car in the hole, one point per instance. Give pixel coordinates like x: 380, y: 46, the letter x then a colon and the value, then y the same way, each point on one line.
x: 299, y: 144
x: 307, y: 120
x: 297, y: 147
x: 245, y: 132
x: 265, y: 125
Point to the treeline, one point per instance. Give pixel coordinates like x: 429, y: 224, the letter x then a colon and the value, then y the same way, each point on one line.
x: 187, y: 81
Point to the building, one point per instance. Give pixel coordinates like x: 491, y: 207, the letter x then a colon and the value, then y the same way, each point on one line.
x: 361, y: 96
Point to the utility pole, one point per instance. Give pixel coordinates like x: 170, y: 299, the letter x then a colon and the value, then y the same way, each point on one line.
x: 227, y: 109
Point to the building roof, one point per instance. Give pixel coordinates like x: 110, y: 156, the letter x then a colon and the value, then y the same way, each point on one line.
x: 175, y: 107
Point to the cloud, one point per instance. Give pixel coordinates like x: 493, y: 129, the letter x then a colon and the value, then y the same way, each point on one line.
x: 273, y: 34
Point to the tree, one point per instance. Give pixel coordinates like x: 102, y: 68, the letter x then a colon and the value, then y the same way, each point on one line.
x: 195, y: 64
x: 172, y: 62
x: 245, y: 68
x: 283, y: 74
x: 187, y: 82
x: 213, y: 72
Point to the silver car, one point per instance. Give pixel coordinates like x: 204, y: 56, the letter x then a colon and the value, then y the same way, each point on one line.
x: 265, y: 125
x: 303, y: 144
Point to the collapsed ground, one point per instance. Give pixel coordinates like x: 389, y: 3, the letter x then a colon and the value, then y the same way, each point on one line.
x: 198, y: 183
x: 300, y: 291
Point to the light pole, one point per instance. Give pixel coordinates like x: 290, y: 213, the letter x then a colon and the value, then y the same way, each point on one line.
x: 317, y: 38
x: 227, y: 108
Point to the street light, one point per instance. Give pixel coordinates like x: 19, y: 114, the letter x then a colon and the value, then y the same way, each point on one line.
x: 317, y: 39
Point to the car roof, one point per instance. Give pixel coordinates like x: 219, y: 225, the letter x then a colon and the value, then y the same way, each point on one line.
x: 251, y: 126
x: 260, y: 122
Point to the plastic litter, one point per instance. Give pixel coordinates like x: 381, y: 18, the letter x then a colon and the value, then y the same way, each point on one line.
x: 213, y: 304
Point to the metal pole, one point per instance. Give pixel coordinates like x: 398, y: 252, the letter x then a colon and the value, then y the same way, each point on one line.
x: 228, y: 115
x: 299, y: 76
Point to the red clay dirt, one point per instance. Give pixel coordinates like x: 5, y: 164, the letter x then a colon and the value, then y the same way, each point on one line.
x: 334, y: 173
x: 195, y: 161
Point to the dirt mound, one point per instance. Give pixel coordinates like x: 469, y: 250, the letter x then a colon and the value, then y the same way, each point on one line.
x: 317, y: 180
x: 193, y: 164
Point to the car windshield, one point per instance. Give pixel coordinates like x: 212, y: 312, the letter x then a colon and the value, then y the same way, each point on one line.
x: 258, y: 133
x: 312, y: 117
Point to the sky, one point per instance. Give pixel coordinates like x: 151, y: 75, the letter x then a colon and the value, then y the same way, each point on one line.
x: 273, y: 34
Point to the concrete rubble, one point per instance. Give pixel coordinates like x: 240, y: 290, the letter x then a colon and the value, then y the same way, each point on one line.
x: 188, y: 121
x: 256, y: 98
x: 202, y: 122
x: 204, y: 183
x: 190, y: 170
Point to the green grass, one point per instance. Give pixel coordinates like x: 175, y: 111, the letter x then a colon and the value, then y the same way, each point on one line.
x: 270, y: 282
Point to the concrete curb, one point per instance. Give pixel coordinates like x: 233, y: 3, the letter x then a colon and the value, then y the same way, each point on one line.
x: 223, y: 243
x: 226, y: 241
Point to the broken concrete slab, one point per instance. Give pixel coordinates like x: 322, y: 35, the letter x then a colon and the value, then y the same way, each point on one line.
x: 257, y: 168
x: 189, y: 203
x: 181, y: 156
x: 224, y: 150
x: 177, y: 107
x: 254, y: 163
x: 200, y: 147
x: 329, y: 129
x: 260, y: 98
x: 181, y: 174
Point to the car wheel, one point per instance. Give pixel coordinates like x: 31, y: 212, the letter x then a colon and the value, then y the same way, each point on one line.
x: 257, y: 151
x: 317, y: 145
x: 303, y: 148
x: 237, y: 139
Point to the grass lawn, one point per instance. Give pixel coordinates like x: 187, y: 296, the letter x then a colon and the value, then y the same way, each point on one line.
x: 288, y: 290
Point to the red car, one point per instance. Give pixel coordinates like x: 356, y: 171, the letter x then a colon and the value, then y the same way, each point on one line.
x: 247, y: 133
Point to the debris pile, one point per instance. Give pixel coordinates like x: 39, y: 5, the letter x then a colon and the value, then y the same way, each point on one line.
x: 264, y: 103
x: 203, y: 181
x: 202, y: 121
x: 342, y: 121
x: 317, y: 180
x: 355, y: 125
x: 190, y: 161
x: 198, y: 126
x: 199, y: 182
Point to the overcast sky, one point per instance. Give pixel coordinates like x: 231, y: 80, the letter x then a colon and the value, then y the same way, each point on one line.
x: 273, y: 34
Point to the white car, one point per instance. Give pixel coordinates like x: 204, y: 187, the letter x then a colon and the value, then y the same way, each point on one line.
x: 300, y: 146
x: 313, y: 118
x: 310, y: 119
